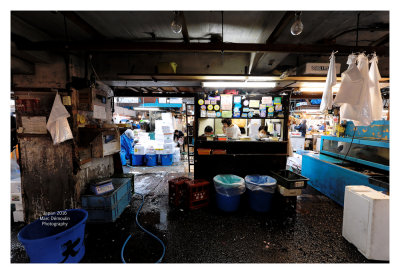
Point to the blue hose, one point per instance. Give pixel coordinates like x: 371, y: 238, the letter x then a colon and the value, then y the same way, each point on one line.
x: 148, y: 232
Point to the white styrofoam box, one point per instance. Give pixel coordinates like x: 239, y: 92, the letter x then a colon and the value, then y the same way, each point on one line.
x: 16, y: 185
x: 150, y: 150
x: 167, y: 129
x: 170, y: 146
x: 166, y: 138
x: 178, y: 150
x: 297, y: 143
x: 18, y: 216
x: 139, y: 149
x: 176, y: 158
x: 366, y: 221
x: 18, y: 206
x: 159, y: 151
x: 16, y: 198
x: 168, y: 151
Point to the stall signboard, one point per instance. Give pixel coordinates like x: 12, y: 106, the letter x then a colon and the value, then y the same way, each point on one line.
x: 266, y: 101
x: 200, y: 102
x: 244, y: 115
x: 236, y: 114
x: 278, y: 107
x: 277, y: 100
x: 246, y: 109
x: 218, y: 114
x: 254, y: 103
x: 226, y: 102
x: 226, y: 114
x: 207, y: 102
x: 203, y: 113
x: 211, y: 114
x: 263, y: 113
x: 210, y: 107
x: 216, y: 107
x: 237, y: 99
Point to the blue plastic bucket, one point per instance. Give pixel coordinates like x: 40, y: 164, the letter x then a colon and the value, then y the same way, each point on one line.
x: 166, y: 159
x: 61, y: 240
x: 259, y: 201
x: 227, y: 203
x: 151, y: 159
x: 137, y: 160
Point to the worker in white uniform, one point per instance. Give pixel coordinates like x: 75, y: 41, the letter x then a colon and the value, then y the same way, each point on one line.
x: 230, y: 130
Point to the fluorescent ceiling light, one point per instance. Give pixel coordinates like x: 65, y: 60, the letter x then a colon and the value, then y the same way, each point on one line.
x: 239, y: 84
x: 148, y: 109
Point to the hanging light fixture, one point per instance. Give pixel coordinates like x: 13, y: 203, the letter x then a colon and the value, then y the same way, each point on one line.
x: 176, y: 24
x: 297, y: 26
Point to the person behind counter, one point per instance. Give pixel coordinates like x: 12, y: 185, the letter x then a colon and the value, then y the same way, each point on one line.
x: 208, y: 131
x: 263, y: 132
x: 302, y: 128
x: 127, y: 145
x: 230, y: 130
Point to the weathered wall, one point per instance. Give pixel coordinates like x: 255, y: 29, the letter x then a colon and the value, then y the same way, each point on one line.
x: 46, y: 175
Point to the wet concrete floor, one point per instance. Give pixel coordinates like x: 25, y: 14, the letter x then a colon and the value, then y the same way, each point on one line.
x: 304, y: 231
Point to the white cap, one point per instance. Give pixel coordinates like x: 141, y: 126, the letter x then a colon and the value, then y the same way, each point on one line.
x: 129, y: 133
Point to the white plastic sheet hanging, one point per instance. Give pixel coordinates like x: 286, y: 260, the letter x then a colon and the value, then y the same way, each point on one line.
x: 360, y: 113
x: 327, y: 96
x: 57, y: 124
x: 351, y: 84
x: 374, y: 89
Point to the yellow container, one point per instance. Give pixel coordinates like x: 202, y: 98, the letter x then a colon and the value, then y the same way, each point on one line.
x: 167, y: 68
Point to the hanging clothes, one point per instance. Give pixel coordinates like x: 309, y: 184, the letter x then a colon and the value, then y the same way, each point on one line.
x: 327, y: 96
x: 361, y: 111
x: 374, y: 89
x: 351, y: 84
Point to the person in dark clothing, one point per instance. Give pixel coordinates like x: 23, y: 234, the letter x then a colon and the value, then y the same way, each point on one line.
x: 208, y: 131
x: 178, y: 137
x: 302, y: 128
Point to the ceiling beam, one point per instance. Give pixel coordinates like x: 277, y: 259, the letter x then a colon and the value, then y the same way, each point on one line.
x: 82, y: 24
x: 381, y: 41
x: 127, y: 46
x: 185, y: 32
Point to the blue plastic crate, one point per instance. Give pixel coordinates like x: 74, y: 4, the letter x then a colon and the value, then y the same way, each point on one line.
x: 122, y: 186
x: 109, y: 214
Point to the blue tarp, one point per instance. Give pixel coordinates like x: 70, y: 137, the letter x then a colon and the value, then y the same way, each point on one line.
x: 126, y: 149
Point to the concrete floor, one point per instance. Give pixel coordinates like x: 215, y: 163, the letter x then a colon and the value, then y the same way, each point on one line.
x: 304, y: 231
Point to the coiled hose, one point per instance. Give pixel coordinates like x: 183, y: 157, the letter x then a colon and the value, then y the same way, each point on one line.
x: 142, y: 228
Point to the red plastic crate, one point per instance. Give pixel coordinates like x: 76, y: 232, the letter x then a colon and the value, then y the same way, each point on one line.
x: 177, y: 191
x: 197, y: 193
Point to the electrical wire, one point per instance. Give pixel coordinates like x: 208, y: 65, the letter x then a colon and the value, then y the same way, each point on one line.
x: 148, y: 232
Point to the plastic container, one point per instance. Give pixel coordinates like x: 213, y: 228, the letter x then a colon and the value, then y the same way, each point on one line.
x: 45, y: 242
x: 150, y: 159
x: 169, y: 146
x: 107, y: 208
x: 139, y: 149
x: 166, y: 159
x: 137, y: 160
x: 228, y: 189
x: 260, y: 189
x: 289, y: 179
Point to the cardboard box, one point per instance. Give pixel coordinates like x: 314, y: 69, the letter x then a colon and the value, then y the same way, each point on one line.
x: 18, y: 216
x: 16, y: 198
x: 16, y: 185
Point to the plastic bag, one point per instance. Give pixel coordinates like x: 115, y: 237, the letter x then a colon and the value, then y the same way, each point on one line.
x: 351, y: 84
x: 262, y: 183
x: 57, y: 124
x: 374, y: 89
x: 229, y: 184
x: 360, y: 113
x: 327, y: 96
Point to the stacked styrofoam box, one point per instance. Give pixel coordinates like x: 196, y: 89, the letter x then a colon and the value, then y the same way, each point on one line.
x: 177, y: 155
x: 16, y: 199
x: 366, y: 221
x: 164, y: 134
x: 139, y: 149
